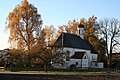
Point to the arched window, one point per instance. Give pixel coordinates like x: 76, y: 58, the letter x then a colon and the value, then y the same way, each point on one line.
x: 67, y: 55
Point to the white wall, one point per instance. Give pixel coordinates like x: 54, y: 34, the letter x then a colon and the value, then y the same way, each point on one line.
x: 97, y: 65
x: 81, y: 62
x: 94, y: 57
x: 73, y: 50
x: 73, y: 61
x: 85, y: 62
x: 100, y: 65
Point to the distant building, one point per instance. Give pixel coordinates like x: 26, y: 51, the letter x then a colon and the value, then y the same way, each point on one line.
x: 76, y: 51
x: 116, y: 55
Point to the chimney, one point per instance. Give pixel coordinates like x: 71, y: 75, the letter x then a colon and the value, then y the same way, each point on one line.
x: 81, y: 30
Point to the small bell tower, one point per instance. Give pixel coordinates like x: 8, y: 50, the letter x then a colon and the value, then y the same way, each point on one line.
x: 81, y: 30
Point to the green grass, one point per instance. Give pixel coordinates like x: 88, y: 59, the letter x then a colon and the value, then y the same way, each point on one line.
x: 27, y: 70
x: 62, y: 72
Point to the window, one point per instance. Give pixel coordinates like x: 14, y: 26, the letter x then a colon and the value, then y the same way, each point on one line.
x: 76, y: 63
x: 67, y: 55
x: 96, y: 64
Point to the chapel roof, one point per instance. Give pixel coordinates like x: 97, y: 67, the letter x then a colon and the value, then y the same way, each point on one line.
x: 73, y: 41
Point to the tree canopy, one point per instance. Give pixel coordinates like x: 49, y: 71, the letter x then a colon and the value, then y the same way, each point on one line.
x: 24, y: 24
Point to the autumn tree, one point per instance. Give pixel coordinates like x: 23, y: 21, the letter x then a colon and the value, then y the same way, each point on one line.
x: 110, y: 33
x: 24, y: 24
x: 89, y: 27
x: 50, y: 32
x: 91, y: 34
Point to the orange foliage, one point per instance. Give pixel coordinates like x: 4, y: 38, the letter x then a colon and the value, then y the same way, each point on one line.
x: 72, y: 27
x: 50, y: 34
x: 24, y: 24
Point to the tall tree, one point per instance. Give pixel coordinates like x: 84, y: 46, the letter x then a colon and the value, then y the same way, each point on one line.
x: 24, y: 24
x: 91, y: 33
x: 110, y: 33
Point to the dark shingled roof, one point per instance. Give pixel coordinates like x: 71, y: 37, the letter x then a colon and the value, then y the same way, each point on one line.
x: 71, y: 41
x: 91, y: 48
x: 78, y: 55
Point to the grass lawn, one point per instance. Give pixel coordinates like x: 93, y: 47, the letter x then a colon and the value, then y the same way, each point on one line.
x: 68, y: 73
x: 64, y: 72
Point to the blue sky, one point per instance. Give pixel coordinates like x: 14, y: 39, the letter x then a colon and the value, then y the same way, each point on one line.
x: 58, y: 12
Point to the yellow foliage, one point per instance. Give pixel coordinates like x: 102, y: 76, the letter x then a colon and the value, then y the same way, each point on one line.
x: 10, y: 15
x: 72, y: 26
x: 25, y: 3
x: 92, y: 30
x: 22, y: 23
x: 49, y: 31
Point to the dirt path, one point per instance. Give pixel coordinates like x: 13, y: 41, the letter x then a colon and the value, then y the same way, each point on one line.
x: 32, y: 76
